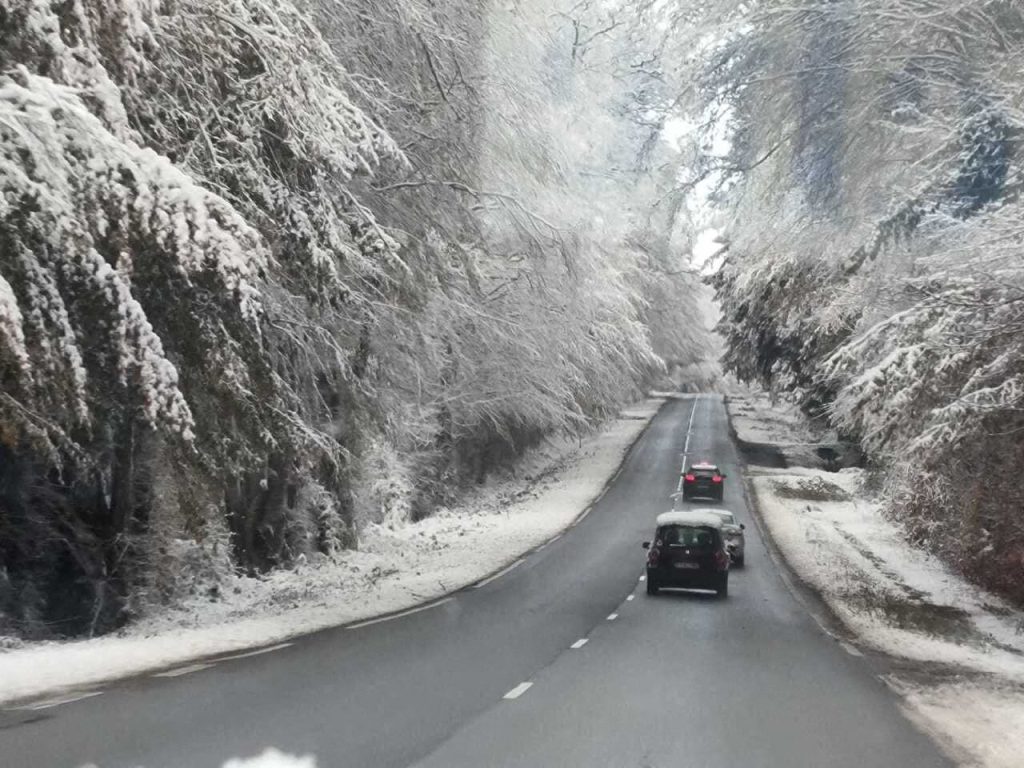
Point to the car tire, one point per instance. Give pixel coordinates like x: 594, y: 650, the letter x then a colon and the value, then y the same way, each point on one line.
x: 652, y: 588
x: 723, y: 589
x: 738, y: 562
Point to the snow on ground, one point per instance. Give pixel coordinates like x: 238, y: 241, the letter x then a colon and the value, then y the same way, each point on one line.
x: 395, y: 568
x: 272, y: 758
x: 896, y: 598
x: 959, y: 650
x: 758, y: 417
x: 991, y: 721
x: 269, y: 758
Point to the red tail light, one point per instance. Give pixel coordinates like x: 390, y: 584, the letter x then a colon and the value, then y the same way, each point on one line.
x: 652, y: 557
x: 721, y: 560
x: 716, y: 479
x: 690, y: 478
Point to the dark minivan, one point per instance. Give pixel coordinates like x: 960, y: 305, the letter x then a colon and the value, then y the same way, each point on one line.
x: 688, y: 553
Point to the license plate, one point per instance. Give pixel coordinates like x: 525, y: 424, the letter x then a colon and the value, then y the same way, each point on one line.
x: 688, y: 565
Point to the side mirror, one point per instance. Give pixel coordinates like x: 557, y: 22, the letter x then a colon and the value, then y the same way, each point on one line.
x: 646, y: 545
x: 723, y: 475
x: 743, y: 527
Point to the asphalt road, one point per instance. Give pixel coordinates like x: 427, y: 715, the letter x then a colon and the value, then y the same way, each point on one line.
x: 491, y: 676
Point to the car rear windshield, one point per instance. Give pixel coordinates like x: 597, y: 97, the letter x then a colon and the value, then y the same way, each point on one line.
x: 705, y: 472
x: 687, y: 536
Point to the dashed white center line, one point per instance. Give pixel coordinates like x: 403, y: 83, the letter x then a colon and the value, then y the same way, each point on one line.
x: 686, y: 445
x: 689, y: 427
x: 183, y: 670
x: 643, y: 578
x: 579, y: 644
x: 612, y: 616
x: 630, y: 597
x: 518, y: 691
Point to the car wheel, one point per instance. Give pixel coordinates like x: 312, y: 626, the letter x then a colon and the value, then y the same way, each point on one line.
x: 739, y: 561
x: 652, y: 588
x: 723, y: 589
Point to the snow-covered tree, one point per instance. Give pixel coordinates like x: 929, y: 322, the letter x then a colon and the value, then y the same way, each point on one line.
x: 874, y: 260
x: 257, y: 252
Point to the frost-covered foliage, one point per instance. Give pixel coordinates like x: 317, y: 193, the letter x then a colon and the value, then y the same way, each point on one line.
x: 875, y: 268
x: 92, y: 222
x: 270, y: 269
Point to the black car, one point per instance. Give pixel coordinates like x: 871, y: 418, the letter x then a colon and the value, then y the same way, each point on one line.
x: 688, y: 553
x: 703, y: 481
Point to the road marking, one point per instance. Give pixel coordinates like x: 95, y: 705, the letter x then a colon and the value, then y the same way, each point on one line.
x: 582, y: 515
x: 183, y: 670
x: 686, y: 444
x: 56, y: 702
x: 518, y: 691
x: 409, y: 612
x: 257, y: 652
x: 579, y: 644
x: 499, y: 574
x: 850, y: 649
x: 630, y: 597
x: 689, y: 427
x: 612, y: 616
x: 643, y: 578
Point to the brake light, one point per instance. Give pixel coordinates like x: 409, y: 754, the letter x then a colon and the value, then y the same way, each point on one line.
x: 716, y: 479
x: 652, y: 557
x: 690, y: 478
x: 722, y: 560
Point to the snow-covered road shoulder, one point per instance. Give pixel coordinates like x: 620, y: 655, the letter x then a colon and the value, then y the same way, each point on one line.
x: 897, y: 599
x: 396, y: 568
x: 756, y: 418
x: 957, y: 651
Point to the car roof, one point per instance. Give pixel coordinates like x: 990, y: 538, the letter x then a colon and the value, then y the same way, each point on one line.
x: 713, y: 511
x: 689, y: 517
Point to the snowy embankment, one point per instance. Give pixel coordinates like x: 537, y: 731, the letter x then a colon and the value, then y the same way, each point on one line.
x: 396, y: 567
x: 756, y: 417
x: 958, y: 652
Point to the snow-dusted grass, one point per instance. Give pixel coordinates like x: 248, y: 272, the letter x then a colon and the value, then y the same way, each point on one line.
x: 903, y: 602
x: 896, y: 598
x: 757, y: 417
x: 396, y: 567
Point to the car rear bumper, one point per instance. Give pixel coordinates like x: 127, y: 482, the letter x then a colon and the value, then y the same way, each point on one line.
x: 684, y: 579
x: 703, y: 493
